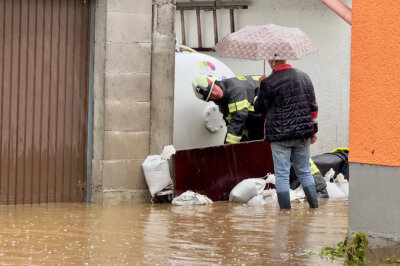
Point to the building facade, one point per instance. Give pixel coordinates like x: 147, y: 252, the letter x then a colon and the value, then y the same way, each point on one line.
x: 132, y: 93
x: 79, y: 107
x: 375, y: 121
x: 87, y: 94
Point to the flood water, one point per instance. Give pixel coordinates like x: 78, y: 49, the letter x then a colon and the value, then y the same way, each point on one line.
x: 161, y: 234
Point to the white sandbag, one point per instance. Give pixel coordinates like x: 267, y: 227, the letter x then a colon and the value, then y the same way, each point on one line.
x: 167, y: 152
x: 297, y: 195
x: 271, y: 200
x: 300, y: 189
x: 156, y: 173
x: 269, y: 196
x: 268, y: 193
x: 270, y: 178
x: 156, y: 170
x: 344, y: 187
x: 334, y: 191
x: 191, y: 198
x: 342, y: 184
x: 247, y: 189
x: 257, y: 200
x: 330, y: 174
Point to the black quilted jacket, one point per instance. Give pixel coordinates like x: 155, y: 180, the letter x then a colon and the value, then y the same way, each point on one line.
x: 287, y: 99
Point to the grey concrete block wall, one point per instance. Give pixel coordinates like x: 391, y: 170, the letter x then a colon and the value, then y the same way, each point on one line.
x: 128, y: 57
x: 98, y: 98
x: 163, y: 75
x: 126, y: 145
x: 130, y: 6
x: 122, y: 116
x: 123, y: 173
x: 121, y: 99
x: 121, y: 25
x: 127, y: 87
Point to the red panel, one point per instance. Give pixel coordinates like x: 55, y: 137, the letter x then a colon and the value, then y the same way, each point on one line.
x: 214, y: 171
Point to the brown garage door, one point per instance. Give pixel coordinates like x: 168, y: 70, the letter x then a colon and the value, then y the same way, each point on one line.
x: 43, y: 100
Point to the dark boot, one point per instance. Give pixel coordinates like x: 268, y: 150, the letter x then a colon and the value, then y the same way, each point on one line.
x: 323, y: 194
x: 284, y: 200
x: 311, y: 195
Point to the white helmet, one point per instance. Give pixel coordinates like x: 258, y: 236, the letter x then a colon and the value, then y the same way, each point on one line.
x: 203, y: 85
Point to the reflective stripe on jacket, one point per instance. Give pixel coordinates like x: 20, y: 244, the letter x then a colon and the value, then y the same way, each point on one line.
x: 313, y: 167
x: 237, y: 104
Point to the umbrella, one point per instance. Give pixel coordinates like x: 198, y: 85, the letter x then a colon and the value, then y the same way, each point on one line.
x: 268, y: 42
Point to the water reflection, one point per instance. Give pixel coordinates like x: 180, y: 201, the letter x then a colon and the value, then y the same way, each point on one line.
x: 145, y: 234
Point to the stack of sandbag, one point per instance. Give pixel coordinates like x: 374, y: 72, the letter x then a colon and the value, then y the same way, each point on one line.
x: 252, y: 192
x: 337, y: 186
x: 247, y: 189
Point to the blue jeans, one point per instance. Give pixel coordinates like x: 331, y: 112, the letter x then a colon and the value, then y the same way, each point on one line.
x: 285, y: 153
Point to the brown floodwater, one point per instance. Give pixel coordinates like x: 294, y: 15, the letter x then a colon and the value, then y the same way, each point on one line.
x: 161, y: 234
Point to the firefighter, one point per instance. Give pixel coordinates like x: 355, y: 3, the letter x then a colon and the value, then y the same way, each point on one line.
x: 319, y: 180
x: 234, y: 97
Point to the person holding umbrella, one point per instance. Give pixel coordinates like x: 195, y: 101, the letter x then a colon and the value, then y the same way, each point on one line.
x: 287, y: 99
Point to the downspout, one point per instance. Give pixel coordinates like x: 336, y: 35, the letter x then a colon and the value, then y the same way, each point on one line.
x: 339, y: 8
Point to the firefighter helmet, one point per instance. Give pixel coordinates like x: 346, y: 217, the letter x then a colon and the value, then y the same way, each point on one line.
x: 203, y: 85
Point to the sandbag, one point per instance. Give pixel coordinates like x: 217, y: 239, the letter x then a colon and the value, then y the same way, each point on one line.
x: 344, y: 187
x: 257, y: 200
x: 297, y: 195
x: 247, y: 189
x: 191, y: 198
x: 334, y: 191
x: 156, y: 173
x: 342, y: 184
x: 269, y: 196
x: 156, y: 170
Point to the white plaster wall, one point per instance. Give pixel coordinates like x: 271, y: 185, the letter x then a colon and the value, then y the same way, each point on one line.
x: 329, y: 68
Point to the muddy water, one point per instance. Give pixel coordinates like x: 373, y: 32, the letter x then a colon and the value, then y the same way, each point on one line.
x: 145, y: 234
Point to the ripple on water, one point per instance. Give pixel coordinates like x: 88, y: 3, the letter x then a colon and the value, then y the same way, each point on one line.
x: 222, y: 233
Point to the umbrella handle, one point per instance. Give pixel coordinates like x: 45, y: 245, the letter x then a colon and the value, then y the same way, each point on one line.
x: 264, y: 67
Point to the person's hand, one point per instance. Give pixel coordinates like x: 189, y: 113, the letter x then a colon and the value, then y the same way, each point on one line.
x: 261, y: 79
x: 314, y: 139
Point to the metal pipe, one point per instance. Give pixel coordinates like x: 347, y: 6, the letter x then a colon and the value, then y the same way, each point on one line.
x: 339, y: 8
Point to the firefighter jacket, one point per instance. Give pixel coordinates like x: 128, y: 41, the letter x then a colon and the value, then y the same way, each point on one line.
x: 237, y: 104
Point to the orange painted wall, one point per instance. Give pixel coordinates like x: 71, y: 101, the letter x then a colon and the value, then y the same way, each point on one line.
x: 375, y: 83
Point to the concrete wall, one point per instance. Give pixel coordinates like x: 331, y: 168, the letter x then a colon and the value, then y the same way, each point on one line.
x: 375, y: 121
x: 329, y: 68
x: 374, y: 202
x: 121, y: 99
x: 162, y: 75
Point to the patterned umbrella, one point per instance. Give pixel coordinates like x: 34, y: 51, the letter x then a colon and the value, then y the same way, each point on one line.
x: 268, y: 42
